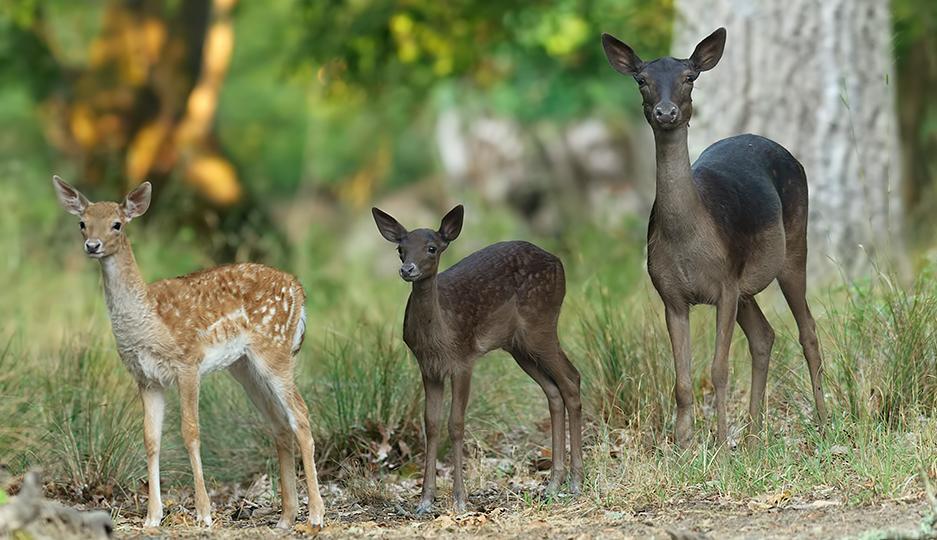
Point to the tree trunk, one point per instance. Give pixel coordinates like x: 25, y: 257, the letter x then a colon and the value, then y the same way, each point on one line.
x: 817, y: 77
x: 142, y: 93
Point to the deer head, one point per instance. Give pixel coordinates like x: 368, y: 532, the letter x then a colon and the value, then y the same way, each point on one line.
x: 666, y: 84
x: 102, y: 223
x: 419, y: 249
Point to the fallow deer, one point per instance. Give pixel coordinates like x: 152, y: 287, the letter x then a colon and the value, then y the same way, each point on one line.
x: 506, y: 296
x: 248, y: 318
x: 720, y: 232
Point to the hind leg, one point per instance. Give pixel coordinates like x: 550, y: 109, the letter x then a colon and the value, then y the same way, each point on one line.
x: 760, y: 337
x: 557, y: 417
x: 263, y: 398
x: 307, y: 447
x: 569, y: 385
x: 553, y: 362
x: 793, y: 282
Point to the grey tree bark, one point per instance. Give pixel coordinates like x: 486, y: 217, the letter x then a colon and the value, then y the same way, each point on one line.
x: 816, y: 76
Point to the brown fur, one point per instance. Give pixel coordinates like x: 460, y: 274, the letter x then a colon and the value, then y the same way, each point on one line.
x: 246, y: 317
x: 506, y: 296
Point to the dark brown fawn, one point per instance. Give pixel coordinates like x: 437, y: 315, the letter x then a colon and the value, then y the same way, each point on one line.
x: 720, y: 232
x: 505, y: 296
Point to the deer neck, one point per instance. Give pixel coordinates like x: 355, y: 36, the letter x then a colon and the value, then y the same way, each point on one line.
x: 124, y: 289
x: 424, y: 314
x: 677, y: 200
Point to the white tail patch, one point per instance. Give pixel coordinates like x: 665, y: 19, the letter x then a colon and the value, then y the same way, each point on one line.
x: 300, y: 330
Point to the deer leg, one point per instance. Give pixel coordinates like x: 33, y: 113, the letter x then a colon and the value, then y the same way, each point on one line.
x: 188, y: 405
x: 726, y: 311
x: 288, y: 496
x: 154, y: 405
x: 794, y: 286
x: 461, y: 385
x: 433, y: 389
x: 307, y: 447
x: 678, y: 326
x: 270, y: 406
x: 557, y: 417
x: 569, y: 384
x: 760, y: 337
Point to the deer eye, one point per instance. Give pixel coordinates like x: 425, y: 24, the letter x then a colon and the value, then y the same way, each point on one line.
x: 641, y: 81
x: 431, y: 249
x: 116, y: 226
x: 81, y: 225
x: 690, y: 78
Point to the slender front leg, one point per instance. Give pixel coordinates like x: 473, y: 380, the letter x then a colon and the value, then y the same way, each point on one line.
x: 154, y: 405
x: 188, y: 405
x: 461, y: 385
x: 726, y: 311
x: 678, y: 326
x: 433, y: 389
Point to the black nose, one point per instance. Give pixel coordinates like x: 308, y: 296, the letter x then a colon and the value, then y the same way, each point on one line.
x: 92, y: 246
x: 408, y: 270
x: 666, y: 113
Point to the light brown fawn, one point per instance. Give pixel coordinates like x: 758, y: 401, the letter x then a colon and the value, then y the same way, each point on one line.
x: 248, y: 318
x: 506, y: 296
x: 720, y: 232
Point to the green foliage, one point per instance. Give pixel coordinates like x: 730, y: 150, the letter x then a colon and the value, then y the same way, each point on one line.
x: 881, y: 355
x: 382, y: 66
x: 627, y: 375
x: 93, y: 425
x: 369, y: 398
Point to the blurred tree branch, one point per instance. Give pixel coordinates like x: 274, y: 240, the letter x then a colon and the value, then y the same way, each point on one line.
x: 129, y: 88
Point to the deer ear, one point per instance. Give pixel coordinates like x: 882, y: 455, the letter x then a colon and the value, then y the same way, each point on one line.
x: 390, y: 228
x: 451, y: 224
x: 137, y: 201
x: 620, y: 56
x: 709, y: 51
x: 70, y: 198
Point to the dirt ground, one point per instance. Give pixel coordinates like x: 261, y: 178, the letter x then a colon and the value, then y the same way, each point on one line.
x: 510, y: 514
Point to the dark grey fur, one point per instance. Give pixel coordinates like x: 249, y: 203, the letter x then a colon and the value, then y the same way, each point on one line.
x: 720, y: 232
x: 506, y: 296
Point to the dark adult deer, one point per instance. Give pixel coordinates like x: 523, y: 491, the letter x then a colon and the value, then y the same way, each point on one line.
x: 505, y: 296
x: 720, y: 231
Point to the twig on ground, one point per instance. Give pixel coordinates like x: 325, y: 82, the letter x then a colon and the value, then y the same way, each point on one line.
x: 31, y: 513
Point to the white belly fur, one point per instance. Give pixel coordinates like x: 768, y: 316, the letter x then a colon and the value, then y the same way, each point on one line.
x: 223, y: 354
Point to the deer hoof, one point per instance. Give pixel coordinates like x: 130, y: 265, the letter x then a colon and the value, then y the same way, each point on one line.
x: 575, y: 486
x: 458, y: 506
x: 556, y: 483
x: 204, y: 520
x: 152, y: 522
x: 424, y: 508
